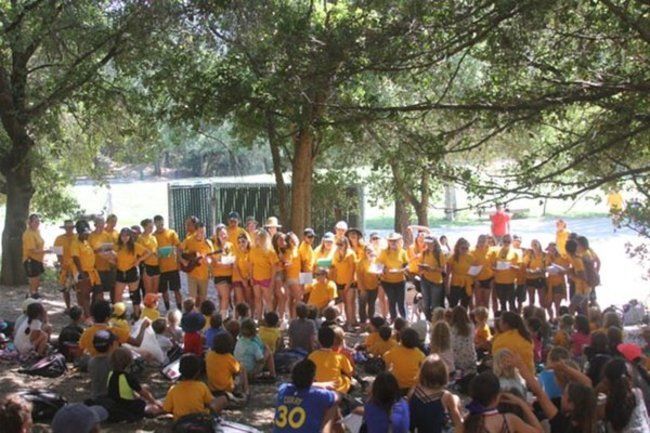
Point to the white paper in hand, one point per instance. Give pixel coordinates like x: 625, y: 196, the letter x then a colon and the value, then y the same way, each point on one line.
x: 555, y: 269
x: 306, y: 278
x: 227, y: 260
x: 474, y: 270
x: 376, y: 268
x: 503, y: 265
x: 57, y: 250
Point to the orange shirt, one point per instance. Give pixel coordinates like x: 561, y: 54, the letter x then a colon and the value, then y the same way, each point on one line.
x: 202, y: 248
x: 459, y: 272
x: 343, y: 267
x: 292, y: 263
x: 167, y: 238
x: 429, y: 258
x: 393, y: 260
x: 484, y: 256
x: 511, y: 256
x: 262, y: 263
x: 97, y: 241
x: 226, y: 253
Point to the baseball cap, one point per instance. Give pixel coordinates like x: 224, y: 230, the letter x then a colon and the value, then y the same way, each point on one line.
x: 341, y: 225
x: 220, y: 226
x: 328, y: 237
x: 119, y: 308
x: 78, y: 418
x: 103, y: 339
x: 150, y: 299
x: 374, y: 235
x: 192, y: 322
x: 233, y: 215
x: 309, y: 232
x: 630, y: 351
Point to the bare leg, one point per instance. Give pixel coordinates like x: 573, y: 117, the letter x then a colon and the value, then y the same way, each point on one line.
x: 223, y: 290
x: 119, y: 292
x: 34, y: 284
x: 257, y: 305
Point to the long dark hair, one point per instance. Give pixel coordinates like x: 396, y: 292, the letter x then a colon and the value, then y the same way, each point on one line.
x: 460, y: 242
x: 583, y: 414
x: 275, y: 241
x: 460, y: 320
x: 514, y: 321
x: 35, y: 311
x: 130, y: 245
x: 483, y: 389
x: 437, y: 251
x: 385, y: 391
x: 621, y: 400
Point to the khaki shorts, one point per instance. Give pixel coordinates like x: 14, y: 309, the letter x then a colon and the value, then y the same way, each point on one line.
x: 197, y: 287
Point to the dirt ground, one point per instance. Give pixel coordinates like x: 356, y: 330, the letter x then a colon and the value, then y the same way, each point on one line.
x: 75, y: 386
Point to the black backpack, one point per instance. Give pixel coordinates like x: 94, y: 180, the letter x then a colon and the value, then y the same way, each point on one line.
x: 50, y: 366
x: 195, y: 423
x: 44, y: 403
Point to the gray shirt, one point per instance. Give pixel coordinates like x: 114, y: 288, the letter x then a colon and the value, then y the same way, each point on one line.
x: 302, y: 334
x: 99, y: 367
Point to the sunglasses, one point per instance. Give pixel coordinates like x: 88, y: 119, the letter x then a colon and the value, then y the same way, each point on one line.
x: 339, y: 245
x: 311, y: 236
x: 375, y: 238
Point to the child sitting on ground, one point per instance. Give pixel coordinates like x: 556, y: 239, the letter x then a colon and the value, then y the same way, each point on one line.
x: 373, y: 336
x: 99, y: 367
x: 159, y: 327
x: 207, y: 309
x: 340, y: 346
x: 441, y: 344
x: 32, y: 336
x: 331, y: 366
x: 483, y: 334
x: 232, y: 327
x: 549, y: 379
x: 563, y: 335
x: 509, y: 377
x: 330, y: 317
x: 404, y: 360
x: 270, y: 333
x: 398, y: 326
x: 131, y: 401
x: 323, y: 292
x: 242, y: 312
x: 302, y: 331
x: 251, y: 352
x: 150, y: 309
x: 430, y: 404
x: 222, y: 367
x: 68, y: 342
x: 189, y: 395
x: 385, y: 342
x: 216, y: 328
x: 174, y: 331
x: 188, y: 306
x: 192, y: 324
x: 118, y: 317
x: 581, y: 337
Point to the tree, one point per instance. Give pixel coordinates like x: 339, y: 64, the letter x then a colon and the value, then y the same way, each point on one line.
x: 53, y: 56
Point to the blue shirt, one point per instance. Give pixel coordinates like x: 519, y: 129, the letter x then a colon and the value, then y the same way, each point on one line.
x: 377, y: 421
x: 549, y: 384
x: 210, y: 334
x: 301, y: 410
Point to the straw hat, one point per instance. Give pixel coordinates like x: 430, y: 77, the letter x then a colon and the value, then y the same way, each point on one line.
x: 394, y: 237
x: 272, y: 222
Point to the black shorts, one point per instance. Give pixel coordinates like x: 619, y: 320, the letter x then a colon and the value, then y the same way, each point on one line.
x: 33, y: 268
x: 151, y: 271
x: 520, y: 292
x: 485, y: 284
x: 128, y: 276
x: 538, y: 283
x: 107, y: 279
x: 170, y: 280
x: 223, y: 280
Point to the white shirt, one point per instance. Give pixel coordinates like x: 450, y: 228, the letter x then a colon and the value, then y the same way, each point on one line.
x: 22, y: 339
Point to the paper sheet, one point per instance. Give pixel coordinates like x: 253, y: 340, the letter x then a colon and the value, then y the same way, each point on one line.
x: 227, y: 260
x: 474, y: 270
x: 306, y: 278
x: 376, y: 268
x: 502, y: 265
x: 57, y: 250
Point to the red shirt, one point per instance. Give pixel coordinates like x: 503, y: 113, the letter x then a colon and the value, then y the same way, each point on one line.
x: 192, y: 343
x: 500, y: 223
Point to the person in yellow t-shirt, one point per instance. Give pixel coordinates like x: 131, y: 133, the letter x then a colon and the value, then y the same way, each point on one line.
x: 170, y: 278
x: 534, y: 264
x: 431, y: 267
x: 322, y: 293
x: 331, y: 366
x: 264, y: 264
x: 233, y: 229
x: 151, y: 275
x: 483, y: 256
x: 269, y: 331
x: 190, y: 224
x: 222, y: 266
x: 33, y: 253
x: 83, y: 258
x: 577, y: 276
x: 615, y: 201
x: 556, y: 267
x: 67, y: 270
x: 292, y: 264
x: 483, y: 335
x: 404, y: 359
x: 459, y: 283
x: 325, y: 251
x: 414, y: 252
x: 368, y: 284
x: 189, y: 395
x: 342, y: 272
x: 198, y: 250
x: 394, y: 261
x: 385, y: 342
x: 514, y: 336
x: 507, y: 261
x: 111, y: 223
x: 241, y: 283
x: 306, y: 250
x: 561, y: 236
x: 222, y: 367
x: 355, y: 239
x: 128, y: 256
x: 103, y: 244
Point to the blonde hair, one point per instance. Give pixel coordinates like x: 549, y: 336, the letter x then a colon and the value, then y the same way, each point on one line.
x: 263, y: 239
x: 173, y: 316
x: 433, y: 372
x: 481, y: 313
x: 339, y: 336
x: 438, y: 314
x: 501, y: 370
x: 440, y: 337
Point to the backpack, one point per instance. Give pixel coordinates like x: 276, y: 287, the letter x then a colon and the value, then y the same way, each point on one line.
x: 50, y: 366
x: 374, y: 366
x: 44, y: 403
x: 195, y: 423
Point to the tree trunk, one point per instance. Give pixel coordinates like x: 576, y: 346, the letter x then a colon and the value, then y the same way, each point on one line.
x: 301, y: 181
x: 19, y: 191
x: 450, y: 202
x: 277, y: 168
x: 401, y: 214
x: 421, y: 207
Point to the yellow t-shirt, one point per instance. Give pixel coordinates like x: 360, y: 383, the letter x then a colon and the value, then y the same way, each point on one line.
x: 221, y: 369
x: 86, y: 256
x: 560, y: 240
x: 151, y: 313
x: 202, y: 248
x: 404, y: 364
x: 321, y: 254
x: 32, y: 240
x: 369, y: 280
x: 292, y: 263
x: 262, y: 261
x: 86, y: 339
x: 344, y: 267
x: 149, y: 242
x: 234, y: 233
x: 534, y: 265
x: 307, y: 257
x: 380, y: 347
x: 167, y: 238
x: 270, y: 336
x: 371, y: 339
x: 415, y: 257
x: 555, y: 280
x: 242, y: 265
x: 429, y: 258
x: 517, y: 344
x: 65, y: 242
x: 320, y: 294
x: 561, y: 338
x: 332, y: 367
x: 128, y: 259
x: 507, y: 276
x: 218, y: 268
x: 459, y: 272
x: 96, y: 241
x: 484, y: 256
x: 483, y: 334
x: 577, y: 265
x: 187, y: 397
x: 615, y: 201
x: 393, y: 260
x: 114, y: 234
